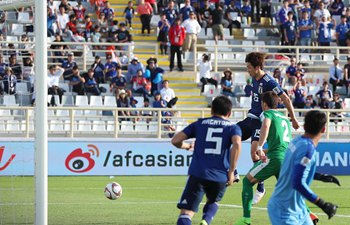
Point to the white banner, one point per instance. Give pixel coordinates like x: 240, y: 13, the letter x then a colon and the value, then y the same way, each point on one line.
x: 132, y: 157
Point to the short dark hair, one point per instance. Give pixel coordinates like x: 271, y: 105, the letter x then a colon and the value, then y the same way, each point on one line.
x: 314, y: 122
x: 271, y: 99
x: 256, y: 59
x: 290, y: 13
x: 221, y: 105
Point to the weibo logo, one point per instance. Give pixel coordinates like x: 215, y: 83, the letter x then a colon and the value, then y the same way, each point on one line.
x: 79, y: 162
x: 2, y: 149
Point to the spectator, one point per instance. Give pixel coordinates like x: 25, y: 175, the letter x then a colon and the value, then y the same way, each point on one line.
x: 321, y: 12
x: 133, y: 67
x: 300, y: 74
x: 128, y: 14
x: 9, y: 81
x: 163, y: 26
x: 307, y: 8
x: 340, y: 34
x: 336, y: 8
x: 304, y: 31
x: 96, y: 37
x: 233, y: 22
x: 141, y: 85
x: 51, y: 20
x: 277, y: 74
x: 324, y: 33
x: 79, y: 11
x: 123, y: 102
x: 311, y: 100
x: 168, y: 94
x: 72, y: 25
x: 102, y: 23
x: 246, y: 9
x: 192, y: 28
x: 248, y: 89
x: 68, y: 65
x: 134, y: 113
x: 266, y: 8
x: 204, y: 72
x: 110, y: 68
x: 185, y: 11
x: 227, y: 83
x: 346, y: 77
x: 204, y: 16
x: 299, y: 96
x: 171, y: 13
x: 3, y: 66
x: 66, y: 5
x: 291, y: 71
x: 308, y: 104
x: 255, y: 15
x: 91, y: 86
x: 145, y: 11
x: 58, y: 48
x: 336, y: 103
x: 324, y: 96
x: 147, y: 113
x: 98, y: 70
x: 11, y: 50
x: 290, y: 31
x: 156, y: 74
x: 122, y: 36
x: 216, y: 17
x: 54, y: 74
x: 109, y: 12
x: 153, y: 3
x: 62, y: 19
x: 158, y: 101
x: 16, y: 67
x: 118, y: 82
x: 28, y: 70
x: 282, y: 17
x: 335, y: 74
x: 177, y: 35
x: 77, y: 82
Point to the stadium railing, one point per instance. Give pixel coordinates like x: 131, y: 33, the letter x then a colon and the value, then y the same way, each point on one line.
x: 107, y: 122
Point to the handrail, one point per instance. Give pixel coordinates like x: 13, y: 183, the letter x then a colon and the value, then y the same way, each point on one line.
x: 340, y: 129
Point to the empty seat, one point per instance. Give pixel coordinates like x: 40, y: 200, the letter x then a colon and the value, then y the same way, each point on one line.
x: 22, y: 88
x: 10, y: 100
x: 12, y: 125
x: 347, y: 103
x: 95, y: 100
x: 81, y: 100
x: 110, y: 101
x: 17, y: 29
x: 108, y: 91
x: 98, y: 125
x: 153, y: 126
x: 313, y: 90
x: 141, y: 126
x: 84, y: 125
x: 56, y: 125
x: 211, y: 91
x: 67, y: 100
x: 127, y: 126
x: 249, y: 33
x: 245, y: 102
x: 64, y: 86
x: 23, y: 17
x: 110, y: 126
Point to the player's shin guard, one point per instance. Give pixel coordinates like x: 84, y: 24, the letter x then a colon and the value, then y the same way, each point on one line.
x: 184, y: 219
x: 209, y: 211
x: 247, y: 197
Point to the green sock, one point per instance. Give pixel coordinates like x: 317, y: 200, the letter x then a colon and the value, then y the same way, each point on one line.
x: 247, y: 197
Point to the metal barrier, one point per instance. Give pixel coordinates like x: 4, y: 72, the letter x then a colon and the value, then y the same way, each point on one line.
x: 106, y: 122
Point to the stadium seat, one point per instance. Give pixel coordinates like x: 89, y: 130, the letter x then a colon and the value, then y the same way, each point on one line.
x: 240, y: 57
x: 238, y: 115
x: 98, y: 125
x: 211, y: 91
x: 67, y: 100
x: 139, y: 101
x: 245, y: 102
x: 313, y: 90
x: 97, y: 102
x: 22, y: 88
x: 141, y: 126
x: 10, y: 38
x: 227, y: 34
x: 127, y: 126
x: 223, y: 46
x: 9, y: 100
x: 347, y: 103
x: 153, y: 126
x: 249, y: 33
x: 5, y: 114
x: 65, y: 86
x: 56, y: 125
x: 23, y: 17
x: 247, y: 43
x: 2, y: 126
x: 24, y: 124
x: 108, y: 92
x: 110, y: 126
x: 239, y: 78
x: 62, y: 113
x: 12, y: 125
x: 110, y: 101
x: 17, y: 29
x: 11, y: 16
x: 84, y: 125
x: 318, y: 80
x: 210, y: 45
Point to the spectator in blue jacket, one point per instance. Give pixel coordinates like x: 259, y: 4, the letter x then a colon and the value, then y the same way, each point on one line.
x: 91, y: 84
x: 155, y: 75
x: 336, y: 8
x: 134, y: 66
x: 185, y: 11
x: 290, y: 31
x: 282, y: 17
x: 341, y: 31
x: 304, y: 31
x: 324, y: 32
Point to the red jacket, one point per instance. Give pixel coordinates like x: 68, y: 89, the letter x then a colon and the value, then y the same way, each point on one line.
x: 177, y: 35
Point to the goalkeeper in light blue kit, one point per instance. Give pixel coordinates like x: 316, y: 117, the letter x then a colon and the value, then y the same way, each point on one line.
x: 287, y: 204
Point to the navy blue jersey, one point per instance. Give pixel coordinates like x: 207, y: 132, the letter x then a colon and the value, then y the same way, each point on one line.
x: 211, y: 156
x: 266, y: 83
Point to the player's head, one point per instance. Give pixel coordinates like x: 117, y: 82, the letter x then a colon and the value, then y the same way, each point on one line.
x: 255, y: 63
x: 269, y: 100
x: 315, y: 122
x: 221, y: 106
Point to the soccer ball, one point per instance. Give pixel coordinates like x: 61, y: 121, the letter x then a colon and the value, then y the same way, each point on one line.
x: 113, y: 191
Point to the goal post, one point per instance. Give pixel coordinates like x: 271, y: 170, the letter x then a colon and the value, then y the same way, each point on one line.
x: 41, y: 127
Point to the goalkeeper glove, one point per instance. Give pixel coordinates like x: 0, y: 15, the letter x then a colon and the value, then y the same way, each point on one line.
x: 327, y: 207
x: 326, y: 178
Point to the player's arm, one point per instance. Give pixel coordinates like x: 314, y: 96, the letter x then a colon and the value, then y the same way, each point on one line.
x: 301, y: 172
x: 264, y: 132
x: 288, y: 103
x: 178, y: 141
x: 326, y: 178
x: 234, y: 154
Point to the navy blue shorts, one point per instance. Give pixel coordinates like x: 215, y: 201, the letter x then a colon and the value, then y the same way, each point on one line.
x: 195, y: 190
x: 250, y: 129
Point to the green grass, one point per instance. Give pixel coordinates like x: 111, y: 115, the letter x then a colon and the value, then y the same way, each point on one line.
x: 145, y: 200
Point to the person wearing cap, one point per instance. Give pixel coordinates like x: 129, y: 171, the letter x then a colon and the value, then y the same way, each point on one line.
x: 227, y: 83
x: 98, y: 69
x: 91, y: 85
x: 346, y: 77
x: 335, y: 74
x: 192, y: 28
x: 133, y: 67
x: 123, y: 102
x: 9, y: 81
x: 68, y: 65
x: 77, y: 81
x: 177, y: 35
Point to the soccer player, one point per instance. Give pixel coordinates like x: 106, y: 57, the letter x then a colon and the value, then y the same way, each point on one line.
x: 276, y: 129
x: 250, y: 126
x: 287, y: 204
x: 213, y: 161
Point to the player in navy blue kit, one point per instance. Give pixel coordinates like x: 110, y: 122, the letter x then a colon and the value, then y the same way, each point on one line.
x: 213, y: 162
x: 250, y: 126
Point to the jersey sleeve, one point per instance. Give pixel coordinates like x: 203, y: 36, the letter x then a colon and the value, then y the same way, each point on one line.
x: 266, y: 115
x: 275, y: 87
x: 301, y: 171
x: 190, y: 130
x: 236, y: 131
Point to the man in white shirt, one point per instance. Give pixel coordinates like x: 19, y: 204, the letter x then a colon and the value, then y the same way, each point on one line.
x: 192, y: 28
x: 321, y: 11
x: 335, y: 75
x: 54, y: 74
x: 62, y: 19
x: 168, y: 94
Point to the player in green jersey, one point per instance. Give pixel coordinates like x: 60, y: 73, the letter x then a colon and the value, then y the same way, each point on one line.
x: 276, y: 129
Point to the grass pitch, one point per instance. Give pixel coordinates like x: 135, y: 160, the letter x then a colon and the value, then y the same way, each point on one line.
x: 145, y: 200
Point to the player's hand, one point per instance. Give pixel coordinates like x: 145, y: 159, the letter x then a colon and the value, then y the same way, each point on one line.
x: 295, y: 124
x: 329, y: 208
x: 329, y: 179
x: 230, y: 178
x: 191, y: 148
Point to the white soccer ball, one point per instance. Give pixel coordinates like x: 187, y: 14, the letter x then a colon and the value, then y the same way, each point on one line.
x: 113, y: 191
